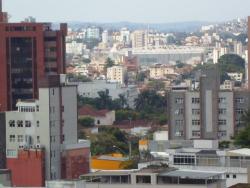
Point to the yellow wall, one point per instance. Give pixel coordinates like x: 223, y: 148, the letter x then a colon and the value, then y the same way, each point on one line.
x: 108, y: 164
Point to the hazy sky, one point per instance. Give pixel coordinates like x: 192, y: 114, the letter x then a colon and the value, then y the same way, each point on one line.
x: 148, y: 11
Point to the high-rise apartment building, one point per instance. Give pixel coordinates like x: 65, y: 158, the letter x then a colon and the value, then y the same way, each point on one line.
x: 139, y: 39
x: 207, y: 113
x: 41, y: 136
x: 29, y: 52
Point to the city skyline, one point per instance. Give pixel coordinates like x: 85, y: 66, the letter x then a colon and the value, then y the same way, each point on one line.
x: 158, y: 11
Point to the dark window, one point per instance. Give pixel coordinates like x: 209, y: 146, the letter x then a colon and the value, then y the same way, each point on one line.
x: 20, y: 123
x: 27, y: 123
x: 12, y: 123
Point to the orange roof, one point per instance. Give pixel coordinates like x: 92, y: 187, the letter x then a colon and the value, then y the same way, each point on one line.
x: 88, y: 110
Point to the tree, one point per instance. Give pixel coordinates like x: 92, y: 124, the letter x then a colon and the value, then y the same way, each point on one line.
x: 150, y: 101
x: 104, y: 101
x: 242, y: 139
x: 86, y: 122
x: 109, y: 63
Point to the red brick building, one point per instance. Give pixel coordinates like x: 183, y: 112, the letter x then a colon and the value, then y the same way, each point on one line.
x: 29, y: 52
x: 76, y: 160
x: 28, y: 169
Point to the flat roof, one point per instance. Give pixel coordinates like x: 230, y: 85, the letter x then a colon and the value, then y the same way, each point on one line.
x: 239, y: 152
x: 192, y: 174
x: 109, y: 173
x: 110, y: 158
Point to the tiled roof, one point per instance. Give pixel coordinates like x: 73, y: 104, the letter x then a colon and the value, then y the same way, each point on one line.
x: 88, y: 110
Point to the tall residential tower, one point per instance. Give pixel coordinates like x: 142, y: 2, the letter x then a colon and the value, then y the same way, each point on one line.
x: 29, y: 52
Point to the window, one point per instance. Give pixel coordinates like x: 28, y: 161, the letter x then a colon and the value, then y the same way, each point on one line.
x: 222, y: 133
x: 38, y: 139
x: 179, y: 100
x: 20, y: 138
x: 12, y: 123
x: 222, y: 111
x: 37, y: 108
x: 234, y: 176
x: 239, y: 100
x: 227, y: 176
x: 63, y: 138
x: 11, y: 153
x: 195, y: 111
x: 222, y: 100
x: 195, y: 100
x: 12, y: 138
x: 196, y: 133
x: 20, y: 123
x: 179, y: 122
x: 184, y: 160
x: 53, y: 92
x: 196, y: 122
x: 37, y: 123
x: 179, y: 111
x: 27, y: 123
x: 240, y: 111
x: 98, y: 122
x: 222, y: 122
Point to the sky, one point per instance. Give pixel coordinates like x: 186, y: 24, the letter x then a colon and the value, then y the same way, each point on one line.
x: 144, y: 11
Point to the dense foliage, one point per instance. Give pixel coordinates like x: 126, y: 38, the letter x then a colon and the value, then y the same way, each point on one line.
x: 242, y: 139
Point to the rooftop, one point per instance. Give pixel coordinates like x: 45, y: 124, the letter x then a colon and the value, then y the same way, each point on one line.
x: 88, y: 110
x: 191, y: 174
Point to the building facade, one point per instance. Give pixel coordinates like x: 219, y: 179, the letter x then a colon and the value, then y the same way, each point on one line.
x: 207, y: 113
x: 116, y: 74
x: 39, y: 130
x: 29, y: 52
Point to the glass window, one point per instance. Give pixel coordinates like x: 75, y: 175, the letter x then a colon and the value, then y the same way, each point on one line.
x: 20, y: 123
x: 12, y: 123
x: 27, y: 123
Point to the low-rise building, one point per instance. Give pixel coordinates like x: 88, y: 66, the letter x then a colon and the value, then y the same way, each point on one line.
x: 154, y: 178
x: 91, y: 89
x: 159, y: 71
x: 101, y: 117
x: 109, y: 162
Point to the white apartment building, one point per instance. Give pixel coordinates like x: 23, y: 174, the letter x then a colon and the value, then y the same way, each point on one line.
x: 236, y: 76
x: 139, y: 39
x: 48, y: 123
x: 159, y: 71
x: 93, y: 33
x: 116, y: 74
x: 125, y: 35
x: 75, y: 48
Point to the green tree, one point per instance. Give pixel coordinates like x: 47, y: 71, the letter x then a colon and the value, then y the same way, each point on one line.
x: 86, y: 122
x: 104, y: 101
x: 242, y: 139
x: 109, y: 63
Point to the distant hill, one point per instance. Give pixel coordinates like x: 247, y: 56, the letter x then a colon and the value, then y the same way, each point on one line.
x: 162, y: 27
